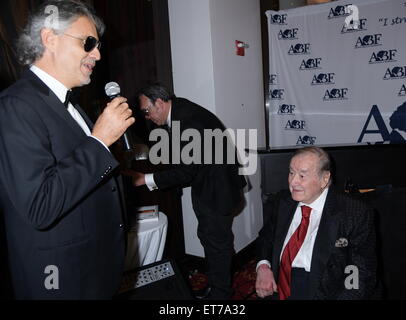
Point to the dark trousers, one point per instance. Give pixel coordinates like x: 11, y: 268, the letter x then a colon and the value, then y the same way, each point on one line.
x: 216, y: 236
x: 300, y: 284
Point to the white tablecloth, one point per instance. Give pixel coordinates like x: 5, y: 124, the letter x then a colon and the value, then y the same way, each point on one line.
x: 146, y: 242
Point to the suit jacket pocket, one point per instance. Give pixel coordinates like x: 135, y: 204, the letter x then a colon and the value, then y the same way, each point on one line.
x: 68, y: 230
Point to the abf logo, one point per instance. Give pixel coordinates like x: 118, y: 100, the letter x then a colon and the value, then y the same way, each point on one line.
x: 336, y: 94
x: 370, y: 40
x: 402, y: 91
x: 310, y: 64
x: 287, y: 109
x: 338, y: 11
x: 299, y: 48
x: 277, y: 94
x: 306, y: 140
x: 323, y: 78
x: 296, y: 125
x: 383, y: 56
x: 378, y: 128
x: 395, y: 73
x: 288, y: 34
x: 396, y: 122
x: 278, y: 18
x: 355, y: 25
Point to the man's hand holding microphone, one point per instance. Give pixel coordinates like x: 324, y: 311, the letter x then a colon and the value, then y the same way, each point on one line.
x: 114, y: 121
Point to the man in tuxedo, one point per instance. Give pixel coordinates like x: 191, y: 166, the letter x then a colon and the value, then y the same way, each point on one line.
x: 316, y: 243
x: 62, y: 205
x: 216, y: 188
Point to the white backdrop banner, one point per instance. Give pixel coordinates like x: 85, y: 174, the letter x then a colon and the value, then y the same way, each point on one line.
x: 338, y: 73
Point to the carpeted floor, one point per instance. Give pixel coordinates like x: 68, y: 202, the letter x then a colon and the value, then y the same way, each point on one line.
x: 192, y: 271
x: 243, y: 282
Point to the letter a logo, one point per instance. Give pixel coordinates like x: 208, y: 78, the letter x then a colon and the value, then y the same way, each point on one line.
x: 52, y: 281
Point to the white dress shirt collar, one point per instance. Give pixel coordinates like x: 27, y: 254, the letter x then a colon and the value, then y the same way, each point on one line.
x: 57, y: 87
x: 168, y: 119
x: 303, y: 258
x: 317, y: 204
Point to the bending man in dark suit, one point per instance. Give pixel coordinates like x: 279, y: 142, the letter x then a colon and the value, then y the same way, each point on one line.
x: 62, y: 205
x: 337, y: 258
x: 216, y: 188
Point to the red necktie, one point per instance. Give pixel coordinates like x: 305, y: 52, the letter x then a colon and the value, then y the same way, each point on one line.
x: 290, y: 252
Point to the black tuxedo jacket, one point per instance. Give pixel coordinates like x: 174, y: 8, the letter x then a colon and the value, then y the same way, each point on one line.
x: 216, y: 186
x: 343, y: 220
x: 61, y: 202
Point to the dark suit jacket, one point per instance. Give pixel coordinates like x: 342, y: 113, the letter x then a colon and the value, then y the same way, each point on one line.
x: 342, y: 217
x: 61, y: 203
x: 217, y: 186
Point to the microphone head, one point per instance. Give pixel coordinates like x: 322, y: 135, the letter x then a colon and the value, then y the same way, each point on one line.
x: 112, y: 89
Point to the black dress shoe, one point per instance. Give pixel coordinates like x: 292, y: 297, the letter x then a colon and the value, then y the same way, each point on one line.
x: 202, y: 293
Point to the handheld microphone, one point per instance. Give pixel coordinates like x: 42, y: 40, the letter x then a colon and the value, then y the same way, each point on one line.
x: 112, y: 90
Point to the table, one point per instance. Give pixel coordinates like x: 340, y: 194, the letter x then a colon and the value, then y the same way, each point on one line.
x: 146, y: 242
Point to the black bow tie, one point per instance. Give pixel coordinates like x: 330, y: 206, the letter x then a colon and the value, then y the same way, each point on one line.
x: 72, y: 97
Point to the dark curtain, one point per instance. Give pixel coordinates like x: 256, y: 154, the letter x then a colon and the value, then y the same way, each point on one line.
x: 128, y: 51
x: 128, y: 43
x: 13, y: 16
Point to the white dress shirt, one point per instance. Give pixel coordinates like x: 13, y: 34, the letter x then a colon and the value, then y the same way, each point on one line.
x: 303, y: 258
x: 60, y: 91
x: 149, y: 177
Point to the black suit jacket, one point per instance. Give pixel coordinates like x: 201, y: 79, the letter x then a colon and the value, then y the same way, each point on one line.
x: 61, y: 202
x: 342, y: 218
x: 217, y: 186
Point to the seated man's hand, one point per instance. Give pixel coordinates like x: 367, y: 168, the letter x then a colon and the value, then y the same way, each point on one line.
x: 265, y: 284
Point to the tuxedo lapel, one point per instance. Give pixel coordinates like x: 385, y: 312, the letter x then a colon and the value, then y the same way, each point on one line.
x: 52, y: 101
x: 326, y: 237
x: 84, y: 116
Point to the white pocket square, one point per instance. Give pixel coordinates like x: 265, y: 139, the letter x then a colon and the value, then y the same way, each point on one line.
x: 341, y: 243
